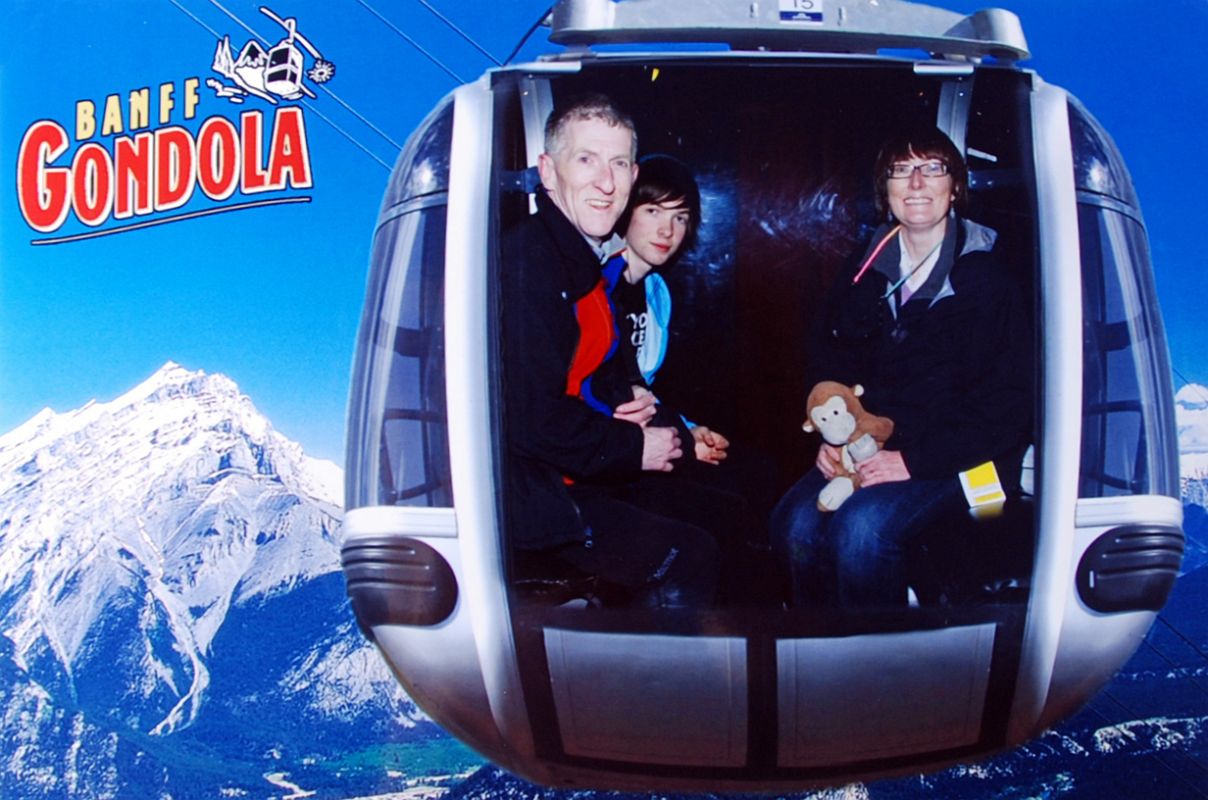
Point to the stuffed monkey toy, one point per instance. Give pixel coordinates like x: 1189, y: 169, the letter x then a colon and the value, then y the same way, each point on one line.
x: 835, y: 411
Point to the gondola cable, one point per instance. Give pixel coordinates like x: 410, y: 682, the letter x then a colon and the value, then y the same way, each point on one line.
x: 1172, y: 666
x: 1195, y: 387
x: 1179, y: 634
x: 1131, y: 713
x: 410, y: 41
x: 459, y: 32
x: 196, y: 19
x: 328, y: 91
x: 358, y: 144
x: 1161, y: 618
x: 1183, y: 638
x: 236, y: 18
x: 1196, y: 787
x: 347, y: 136
x: 361, y: 117
x: 524, y: 39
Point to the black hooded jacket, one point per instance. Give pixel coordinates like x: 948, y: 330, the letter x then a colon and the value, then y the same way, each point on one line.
x: 951, y: 367
x: 547, y: 267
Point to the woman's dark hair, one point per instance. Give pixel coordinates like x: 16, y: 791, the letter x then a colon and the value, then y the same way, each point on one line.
x: 922, y: 142
x: 663, y: 179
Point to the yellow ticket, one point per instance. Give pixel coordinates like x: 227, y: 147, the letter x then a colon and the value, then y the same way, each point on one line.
x: 983, y: 488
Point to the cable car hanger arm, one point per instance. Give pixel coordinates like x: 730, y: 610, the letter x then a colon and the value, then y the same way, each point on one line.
x: 845, y: 26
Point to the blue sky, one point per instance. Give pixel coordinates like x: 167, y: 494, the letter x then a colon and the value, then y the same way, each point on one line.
x: 271, y: 296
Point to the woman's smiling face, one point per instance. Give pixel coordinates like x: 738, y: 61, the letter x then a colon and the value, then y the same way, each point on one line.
x: 919, y: 203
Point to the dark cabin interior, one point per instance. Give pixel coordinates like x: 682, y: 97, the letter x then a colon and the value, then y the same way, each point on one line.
x: 783, y: 154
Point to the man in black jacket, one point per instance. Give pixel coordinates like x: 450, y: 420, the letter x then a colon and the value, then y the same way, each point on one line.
x: 566, y: 461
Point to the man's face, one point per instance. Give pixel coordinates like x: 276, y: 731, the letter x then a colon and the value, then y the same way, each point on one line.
x: 590, y: 176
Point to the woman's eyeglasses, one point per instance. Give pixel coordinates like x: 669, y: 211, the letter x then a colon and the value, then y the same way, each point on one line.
x: 929, y: 169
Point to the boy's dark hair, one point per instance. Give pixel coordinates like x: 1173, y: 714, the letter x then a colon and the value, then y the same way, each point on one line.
x: 662, y: 179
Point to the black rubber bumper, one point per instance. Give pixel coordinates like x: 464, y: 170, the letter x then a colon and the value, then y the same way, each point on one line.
x: 1131, y: 568
x: 396, y: 580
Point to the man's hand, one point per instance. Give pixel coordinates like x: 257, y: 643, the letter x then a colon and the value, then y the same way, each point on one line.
x: 640, y: 410
x: 660, y: 446
x: 710, y: 446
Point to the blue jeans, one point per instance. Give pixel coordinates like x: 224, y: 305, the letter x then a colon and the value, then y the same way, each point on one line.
x: 856, y: 556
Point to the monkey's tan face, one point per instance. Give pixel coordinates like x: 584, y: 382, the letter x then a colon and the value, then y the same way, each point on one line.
x: 833, y: 421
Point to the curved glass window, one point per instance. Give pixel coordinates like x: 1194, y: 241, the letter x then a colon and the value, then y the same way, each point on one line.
x: 398, y: 450
x: 423, y: 166
x: 1128, y: 443
x: 1098, y: 166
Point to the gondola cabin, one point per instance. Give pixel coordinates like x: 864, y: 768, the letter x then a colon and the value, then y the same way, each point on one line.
x: 284, y: 74
x: 1015, y: 619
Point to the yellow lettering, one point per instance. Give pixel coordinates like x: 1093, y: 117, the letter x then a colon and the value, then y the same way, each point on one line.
x: 112, y: 123
x: 85, y: 120
x: 166, y: 104
x: 140, y: 108
x: 191, y: 98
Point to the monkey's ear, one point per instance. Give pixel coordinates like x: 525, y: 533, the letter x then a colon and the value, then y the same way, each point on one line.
x: 857, y: 390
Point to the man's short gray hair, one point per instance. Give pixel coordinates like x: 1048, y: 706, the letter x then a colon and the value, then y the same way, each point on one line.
x: 584, y: 107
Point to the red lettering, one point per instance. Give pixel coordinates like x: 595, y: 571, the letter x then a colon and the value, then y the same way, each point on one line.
x: 175, y: 176
x: 158, y: 171
x: 42, y: 190
x: 133, y: 175
x: 218, y: 158
x: 255, y: 179
x: 91, y: 184
x: 289, y: 157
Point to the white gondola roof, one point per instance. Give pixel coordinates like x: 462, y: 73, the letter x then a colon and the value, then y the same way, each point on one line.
x: 839, y: 26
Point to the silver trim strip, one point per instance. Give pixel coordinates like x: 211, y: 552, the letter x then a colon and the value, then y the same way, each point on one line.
x: 1061, y: 392
x: 412, y: 205
x: 373, y: 521
x: 572, y: 61
x: 570, y: 65
x: 470, y: 436
x: 1111, y: 203
x: 1100, y: 512
x: 944, y: 68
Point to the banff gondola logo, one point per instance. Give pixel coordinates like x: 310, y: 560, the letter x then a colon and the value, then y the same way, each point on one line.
x: 139, y: 157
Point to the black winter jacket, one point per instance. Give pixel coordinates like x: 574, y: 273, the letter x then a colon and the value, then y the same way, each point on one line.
x: 952, y: 367
x: 548, y: 266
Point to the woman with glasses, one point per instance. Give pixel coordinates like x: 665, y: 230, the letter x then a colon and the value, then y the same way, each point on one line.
x: 933, y: 328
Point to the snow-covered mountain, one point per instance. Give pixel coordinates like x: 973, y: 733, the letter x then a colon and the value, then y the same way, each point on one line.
x: 173, y: 615
x: 1191, y: 417
x: 173, y: 623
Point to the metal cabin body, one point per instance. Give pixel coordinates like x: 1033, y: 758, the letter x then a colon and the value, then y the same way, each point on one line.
x: 819, y: 26
x: 1045, y: 602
